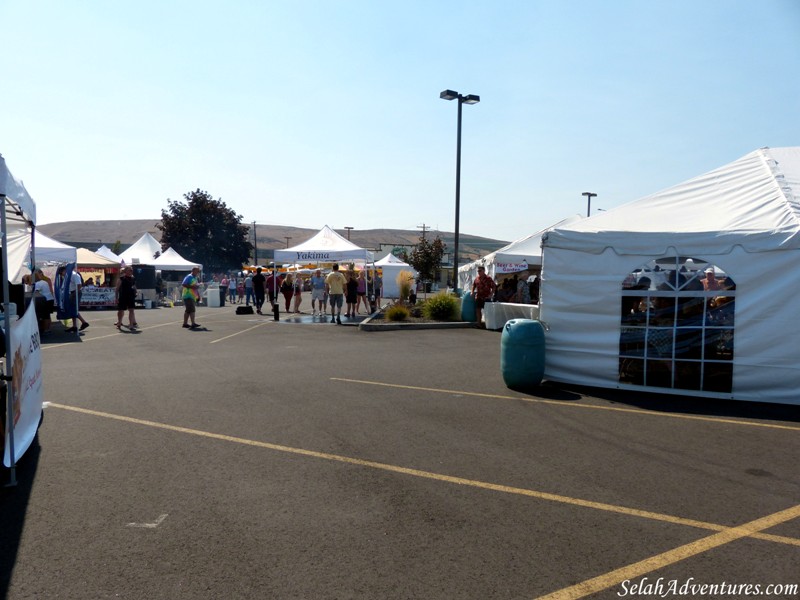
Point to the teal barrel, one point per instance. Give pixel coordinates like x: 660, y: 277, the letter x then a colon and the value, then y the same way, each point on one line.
x: 522, y: 353
x: 467, y: 307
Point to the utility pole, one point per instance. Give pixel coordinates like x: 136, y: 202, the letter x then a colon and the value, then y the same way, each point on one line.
x: 255, y: 245
x: 424, y: 228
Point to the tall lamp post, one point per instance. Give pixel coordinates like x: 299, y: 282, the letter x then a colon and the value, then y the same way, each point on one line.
x: 348, y: 231
x: 589, y: 196
x: 468, y: 99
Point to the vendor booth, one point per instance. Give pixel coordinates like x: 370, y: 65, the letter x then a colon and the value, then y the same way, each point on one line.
x: 22, y: 406
x: 99, y: 275
x: 690, y: 291
x: 390, y: 267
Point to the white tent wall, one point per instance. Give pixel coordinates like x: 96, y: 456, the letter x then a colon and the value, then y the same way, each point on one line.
x: 582, y: 313
x: 47, y: 249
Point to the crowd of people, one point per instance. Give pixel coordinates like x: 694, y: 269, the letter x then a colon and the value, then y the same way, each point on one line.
x: 360, y: 293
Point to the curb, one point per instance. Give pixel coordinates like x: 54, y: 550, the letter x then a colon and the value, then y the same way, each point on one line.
x: 367, y: 325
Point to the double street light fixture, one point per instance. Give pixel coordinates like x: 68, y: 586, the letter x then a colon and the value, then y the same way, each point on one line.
x: 589, y: 196
x: 462, y: 99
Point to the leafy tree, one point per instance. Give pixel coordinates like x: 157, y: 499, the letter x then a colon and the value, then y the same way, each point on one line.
x: 206, y: 231
x: 426, y: 257
x: 117, y: 248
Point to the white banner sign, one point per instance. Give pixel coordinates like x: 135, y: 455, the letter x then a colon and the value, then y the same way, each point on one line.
x: 25, y: 387
x: 94, y: 296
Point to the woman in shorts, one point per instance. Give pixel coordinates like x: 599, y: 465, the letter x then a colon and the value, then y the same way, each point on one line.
x: 125, y: 293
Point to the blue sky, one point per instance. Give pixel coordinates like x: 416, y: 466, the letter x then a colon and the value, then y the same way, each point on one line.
x: 328, y: 112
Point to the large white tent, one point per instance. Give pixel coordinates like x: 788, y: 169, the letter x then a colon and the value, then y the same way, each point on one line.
x: 106, y: 252
x: 742, y: 218
x: 517, y: 256
x: 170, y: 260
x: 391, y: 266
x: 87, y: 258
x: 143, y: 251
x: 326, y: 246
x: 19, y: 219
x: 46, y: 249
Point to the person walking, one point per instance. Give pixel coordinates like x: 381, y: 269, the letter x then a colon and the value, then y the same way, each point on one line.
x: 44, y: 300
x: 318, y: 292
x: 125, y: 297
x: 483, y: 289
x: 298, y: 292
x: 232, y: 289
x: 259, y: 289
x: 362, y: 291
x: 287, y: 289
x: 351, y: 294
x: 335, y: 283
x: 191, y: 296
x: 248, y: 288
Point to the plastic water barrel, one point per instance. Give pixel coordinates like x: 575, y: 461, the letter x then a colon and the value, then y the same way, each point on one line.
x: 467, y: 307
x: 522, y: 353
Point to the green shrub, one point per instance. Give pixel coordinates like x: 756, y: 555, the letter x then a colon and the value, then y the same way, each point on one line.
x: 397, y: 312
x: 441, y: 307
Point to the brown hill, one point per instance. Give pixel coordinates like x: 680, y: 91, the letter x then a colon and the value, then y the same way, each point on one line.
x: 93, y: 234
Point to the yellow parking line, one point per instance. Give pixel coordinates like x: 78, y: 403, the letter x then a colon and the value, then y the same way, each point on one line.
x: 433, y: 476
x: 227, y: 337
x: 572, y: 404
x: 659, y: 561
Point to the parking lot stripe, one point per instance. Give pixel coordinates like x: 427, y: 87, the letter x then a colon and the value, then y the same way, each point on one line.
x: 433, y: 476
x: 227, y: 337
x: 659, y: 561
x: 572, y: 404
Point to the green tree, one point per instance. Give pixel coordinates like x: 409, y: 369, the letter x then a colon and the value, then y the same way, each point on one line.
x: 206, y: 231
x: 117, y: 248
x: 426, y: 257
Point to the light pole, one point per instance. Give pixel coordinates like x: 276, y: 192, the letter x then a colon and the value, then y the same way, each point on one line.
x: 288, y: 237
x: 348, y: 232
x: 589, y: 196
x: 468, y: 99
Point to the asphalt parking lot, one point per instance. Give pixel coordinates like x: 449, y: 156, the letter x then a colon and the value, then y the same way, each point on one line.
x: 288, y: 460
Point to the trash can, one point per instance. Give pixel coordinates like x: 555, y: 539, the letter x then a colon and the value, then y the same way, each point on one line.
x: 467, y: 307
x: 522, y: 353
x: 222, y: 291
x: 212, y: 296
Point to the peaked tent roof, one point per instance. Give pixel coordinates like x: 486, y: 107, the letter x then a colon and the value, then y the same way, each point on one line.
x: 753, y: 202
x: 324, y: 246
x: 144, y: 251
x: 87, y: 258
x: 170, y: 260
x: 46, y: 249
x: 391, y: 260
x: 106, y: 252
x: 20, y: 210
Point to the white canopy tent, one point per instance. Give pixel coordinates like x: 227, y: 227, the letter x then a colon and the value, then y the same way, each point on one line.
x: 391, y: 266
x: 46, y: 249
x: 22, y: 412
x: 517, y: 256
x: 170, y: 260
x: 106, y: 252
x: 743, y: 218
x: 143, y: 251
x: 326, y: 246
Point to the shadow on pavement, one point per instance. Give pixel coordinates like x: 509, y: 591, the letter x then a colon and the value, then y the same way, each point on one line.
x: 13, y: 508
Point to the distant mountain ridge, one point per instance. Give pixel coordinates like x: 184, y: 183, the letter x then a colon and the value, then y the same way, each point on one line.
x: 93, y: 234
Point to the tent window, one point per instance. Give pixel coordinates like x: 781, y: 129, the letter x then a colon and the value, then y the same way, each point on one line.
x: 677, y: 326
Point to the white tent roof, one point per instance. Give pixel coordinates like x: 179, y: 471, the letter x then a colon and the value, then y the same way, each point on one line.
x: 106, y: 252
x: 46, y: 249
x: 391, y: 260
x: 87, y: 258
x: 753, y: 202
x: 20, y: 212
x: 170, y: 260
x: 325, y: 246
x: 144, y: 251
